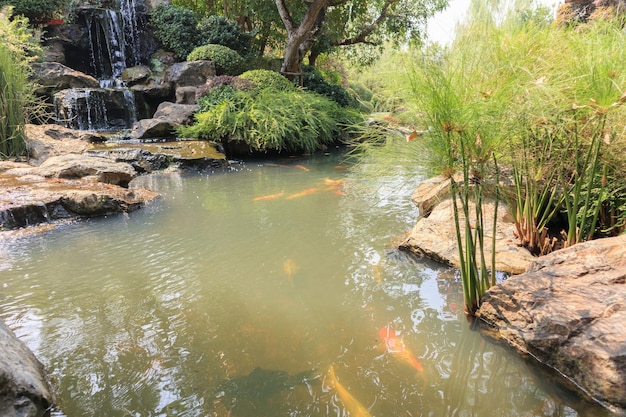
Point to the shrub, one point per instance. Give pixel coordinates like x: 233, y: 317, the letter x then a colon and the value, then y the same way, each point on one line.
x: 264, y: 79
x: 314, y: 81
x: 221, y: 31
x: 226, y: 61
x: 272, y: 120
x: 37, y: 11
x: 220, y: 88
x: 176, y: 28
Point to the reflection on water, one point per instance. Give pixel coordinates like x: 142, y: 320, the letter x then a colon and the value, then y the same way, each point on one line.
x: 235, y: 294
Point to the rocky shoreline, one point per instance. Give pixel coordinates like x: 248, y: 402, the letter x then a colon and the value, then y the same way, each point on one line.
x: 566, y: 310
x: 70, y: 177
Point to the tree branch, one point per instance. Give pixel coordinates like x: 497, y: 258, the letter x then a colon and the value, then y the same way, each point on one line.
x: 367, y: 30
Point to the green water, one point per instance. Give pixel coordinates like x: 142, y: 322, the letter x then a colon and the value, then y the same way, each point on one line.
x: 213, y: 302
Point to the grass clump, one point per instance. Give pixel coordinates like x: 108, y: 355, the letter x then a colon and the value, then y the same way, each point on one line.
x: 272, y: 121
x: 18, y: 49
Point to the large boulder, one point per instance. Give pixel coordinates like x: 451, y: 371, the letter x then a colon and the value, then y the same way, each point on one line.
x: 24, y: 388
x: 44, y: 141
x: 27, y: 199
x: 569, y: 312
x: 164, y: 122
x: 51, y: 77
x: 190, y: 73
x: 73, y: 166
x: 434, y: 235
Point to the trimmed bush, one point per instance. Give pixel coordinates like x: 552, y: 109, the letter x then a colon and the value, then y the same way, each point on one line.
x: 264, y: 79
x: 176, y: 28
x: 221, y: 31
x: 226, y: 61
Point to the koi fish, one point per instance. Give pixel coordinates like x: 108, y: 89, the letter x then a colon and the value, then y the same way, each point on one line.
x: 334, y: 183
x: 290, y: 267
x: 395, y: 346
x: 302, y: 167
x: 302, y: 193
x: 354, y: 407
x: 268, y: 197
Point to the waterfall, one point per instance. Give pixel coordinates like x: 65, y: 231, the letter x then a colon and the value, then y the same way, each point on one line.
x: 131, y: 20
x: 95, y: 109
x: 114, y: 42
x: 106, y: 38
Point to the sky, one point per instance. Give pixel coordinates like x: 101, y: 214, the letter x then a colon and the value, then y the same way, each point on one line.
x: 441, y: 26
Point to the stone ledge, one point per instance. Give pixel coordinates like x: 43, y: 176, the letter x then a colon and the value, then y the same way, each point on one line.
x: 569, y: 312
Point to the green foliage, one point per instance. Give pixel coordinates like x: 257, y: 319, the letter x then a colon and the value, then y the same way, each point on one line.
x: 272, y: 120
x: 221, y: 31
x: 15, y: 90
x: 18, y: 37
x: 37, y: 11
x: 219, y: 89
x: 226, y: 61
x: 176, y: 28
x: 314, y: 81
x: 267, y: 79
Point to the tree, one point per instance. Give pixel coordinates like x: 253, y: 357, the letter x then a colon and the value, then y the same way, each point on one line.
x: 344, y: 23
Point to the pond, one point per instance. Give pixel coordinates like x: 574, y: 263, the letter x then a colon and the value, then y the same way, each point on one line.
x: 237, y: 292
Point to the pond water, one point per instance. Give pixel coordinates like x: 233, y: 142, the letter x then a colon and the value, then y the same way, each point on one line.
x: 236, y: 292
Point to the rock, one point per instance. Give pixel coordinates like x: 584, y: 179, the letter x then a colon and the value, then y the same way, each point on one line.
x: 434, y: 235
x: 190, y: 73
x: 152, y: 129
x: 188, y: 153
x: 175, y: 113
x: 44, y: 141
x: 53, y: 76
x: 25, y: 390
x: 136, y: 75
x: 73, y: 166
x: 569, y: 312
x: 186, y: 95
x: 166, y: 118
x: 31, y: 200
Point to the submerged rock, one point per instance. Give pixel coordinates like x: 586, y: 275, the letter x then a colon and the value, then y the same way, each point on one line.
x: 569, y: 312
x: 24, y: 388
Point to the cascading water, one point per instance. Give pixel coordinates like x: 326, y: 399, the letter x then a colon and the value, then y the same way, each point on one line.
x: 111, y: 107
x: 106, y: 38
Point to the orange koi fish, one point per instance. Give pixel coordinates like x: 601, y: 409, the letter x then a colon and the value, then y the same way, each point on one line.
x: 302, y: 167
x: 302, y: 193
x: 395, y: 346
x: 354, y: 407
x: 268, y: 197
x: 334, y: 183
x: 290, y: 267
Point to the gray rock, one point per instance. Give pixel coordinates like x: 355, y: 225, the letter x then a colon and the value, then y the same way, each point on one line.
x: 51, y: 77
x: 190, y: 73
x: 175, y: 113
x: 569, y: 312
x: 25, y: 390
x: 186, y: 95
x: 152, y: 129
x: 136, y: 75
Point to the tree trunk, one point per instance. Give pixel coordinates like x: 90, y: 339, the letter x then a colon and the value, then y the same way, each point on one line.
x: 300, y: 37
